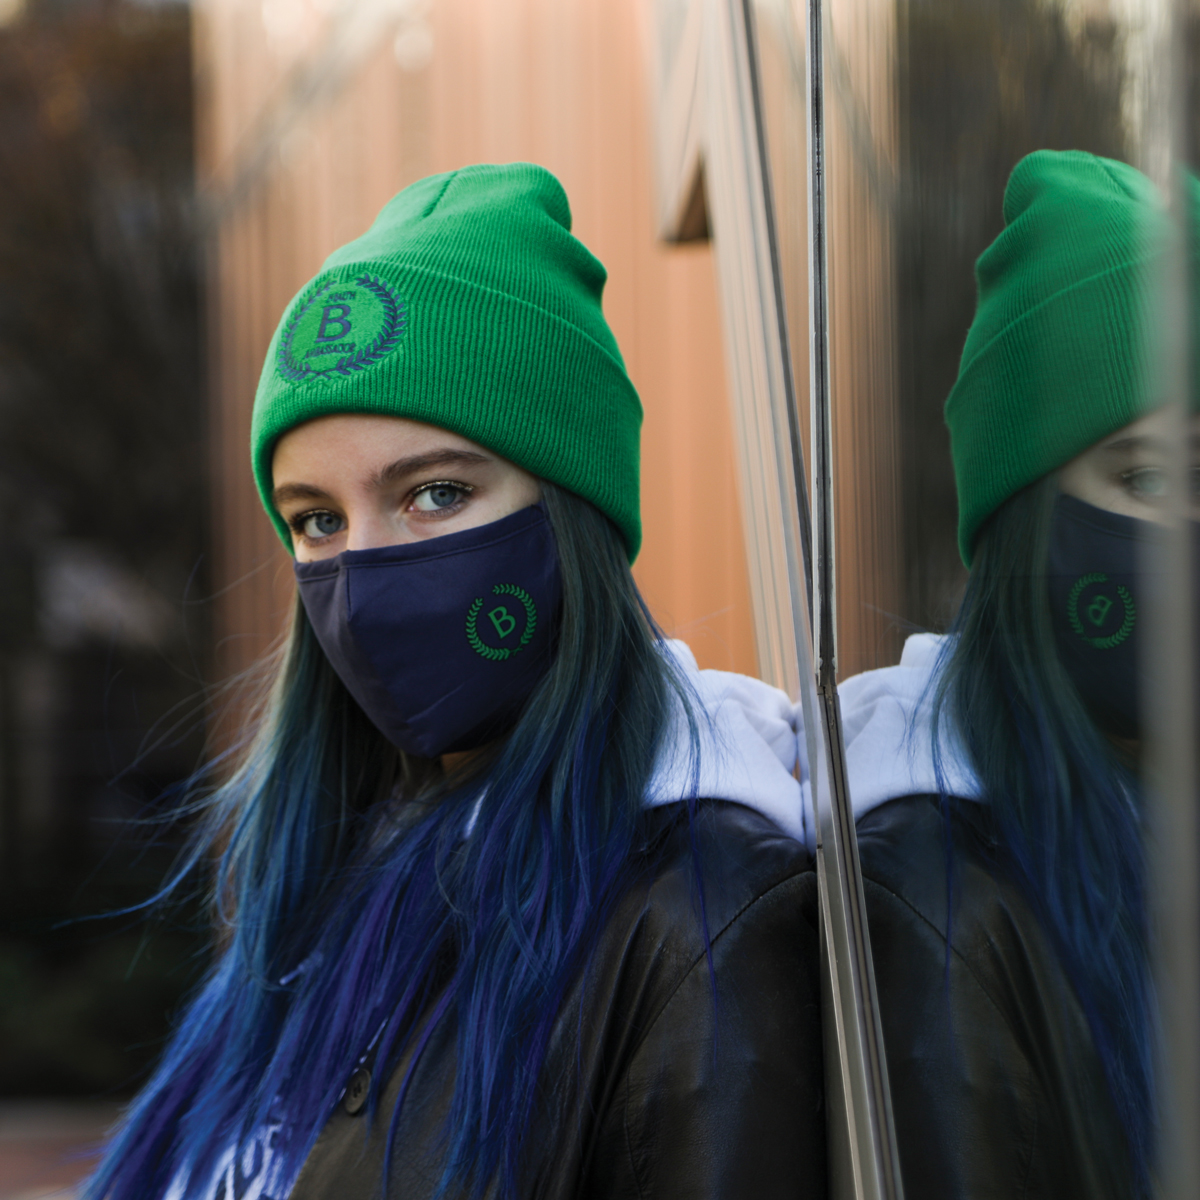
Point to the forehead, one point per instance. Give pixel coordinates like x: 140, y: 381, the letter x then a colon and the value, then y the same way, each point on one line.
x: 1154, y: 433
x: 346, y: 439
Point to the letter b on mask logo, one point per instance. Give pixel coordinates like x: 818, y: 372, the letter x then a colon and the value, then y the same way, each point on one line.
x: 503, y: 623
x: 1098, y: 610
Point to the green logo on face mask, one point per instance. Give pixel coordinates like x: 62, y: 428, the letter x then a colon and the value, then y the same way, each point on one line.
x: 503, y: 622
x: 1097, y: 611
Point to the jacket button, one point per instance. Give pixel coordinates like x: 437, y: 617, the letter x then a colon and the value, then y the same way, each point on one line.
x: 356, y: 1091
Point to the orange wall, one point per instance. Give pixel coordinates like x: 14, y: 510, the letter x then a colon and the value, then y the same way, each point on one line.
x: 560, y: 82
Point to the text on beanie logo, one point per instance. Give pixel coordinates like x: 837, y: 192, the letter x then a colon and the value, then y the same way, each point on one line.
x: 340, y: 326
x: 503, y: 625
x: 1101, y: 612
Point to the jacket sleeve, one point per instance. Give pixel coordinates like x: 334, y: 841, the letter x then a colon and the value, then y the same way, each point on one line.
x: 723, y: 1095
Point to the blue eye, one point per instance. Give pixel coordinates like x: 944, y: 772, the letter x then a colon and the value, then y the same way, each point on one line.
x: 435, y: 496
x: 323, y: 524
x: 1146, y: 483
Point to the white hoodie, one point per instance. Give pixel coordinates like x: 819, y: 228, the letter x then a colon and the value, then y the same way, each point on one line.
x: 751, y: 746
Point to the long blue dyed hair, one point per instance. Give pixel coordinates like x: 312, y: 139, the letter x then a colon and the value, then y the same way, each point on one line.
x: 351, y: 904
x: 1063, y: 801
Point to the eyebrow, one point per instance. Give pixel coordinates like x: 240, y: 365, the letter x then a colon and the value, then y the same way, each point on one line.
x: 386, y: 475
x: 296, y: 491
x: 1141, y: 442
x: 422, y: 462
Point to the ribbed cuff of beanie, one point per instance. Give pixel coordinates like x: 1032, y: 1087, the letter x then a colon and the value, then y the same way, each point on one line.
x: 484, y: 364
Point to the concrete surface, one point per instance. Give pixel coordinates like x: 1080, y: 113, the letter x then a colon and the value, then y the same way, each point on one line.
x: 48, y: 1146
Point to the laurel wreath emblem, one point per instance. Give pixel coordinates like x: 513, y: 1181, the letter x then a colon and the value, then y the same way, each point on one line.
x: 1114, y: 639
x: 395, y: 319
x: 499, y: 654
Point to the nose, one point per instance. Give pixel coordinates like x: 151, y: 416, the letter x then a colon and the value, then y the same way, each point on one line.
x: 369, y: 528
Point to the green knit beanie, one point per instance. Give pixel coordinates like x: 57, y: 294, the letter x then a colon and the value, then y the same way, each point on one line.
x: 467, y: 305
x: 1060, y: 352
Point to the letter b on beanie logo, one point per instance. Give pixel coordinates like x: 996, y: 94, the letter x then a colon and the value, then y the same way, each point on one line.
x: 340, y: 326
x: 332, y: 314
x: 503, y: 624
x: 1107, y: 607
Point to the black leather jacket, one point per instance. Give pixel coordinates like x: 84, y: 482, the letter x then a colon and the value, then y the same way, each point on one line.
x: 660, y: 1091
x: 997, y: 1088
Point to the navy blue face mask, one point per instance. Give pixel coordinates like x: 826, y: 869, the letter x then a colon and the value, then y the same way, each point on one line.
x: 1095, y: 593
x: 1100, y: 591
x: 442, y: 641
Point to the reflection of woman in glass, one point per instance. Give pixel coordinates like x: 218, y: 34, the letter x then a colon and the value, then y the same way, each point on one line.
x: 1019, y: 1049
x: 478, y: 934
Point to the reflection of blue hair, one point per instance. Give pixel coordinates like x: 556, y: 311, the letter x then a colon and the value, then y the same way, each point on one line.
x: 1065, y: 809
x: 345, y: 913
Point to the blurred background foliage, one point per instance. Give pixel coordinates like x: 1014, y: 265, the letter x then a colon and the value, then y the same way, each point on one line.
x: 103, y: 635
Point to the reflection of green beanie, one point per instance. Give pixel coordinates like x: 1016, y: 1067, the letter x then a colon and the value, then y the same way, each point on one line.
x: 468, y: 305
x: 1056, y: 358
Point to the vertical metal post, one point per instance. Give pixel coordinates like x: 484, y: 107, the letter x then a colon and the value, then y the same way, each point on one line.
x: 866, y: 1164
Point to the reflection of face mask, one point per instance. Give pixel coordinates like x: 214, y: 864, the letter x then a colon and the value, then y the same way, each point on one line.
x: 442, y: 641
x: 1096, y: 589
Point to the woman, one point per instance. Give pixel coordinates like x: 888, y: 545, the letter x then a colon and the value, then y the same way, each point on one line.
x: 498, y: 915
x: 1001, y: 829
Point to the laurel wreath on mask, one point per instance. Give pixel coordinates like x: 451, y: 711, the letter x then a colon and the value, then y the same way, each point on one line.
x: 499, y: 654
x: 1115, y: 639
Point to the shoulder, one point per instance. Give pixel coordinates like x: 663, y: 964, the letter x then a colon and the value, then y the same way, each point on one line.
x: 712, y: 1044
x: 712, y: 1080
x: 753, y: 897
x: 923, y: 855
x: 943, y: 870
x: 932, y: 877
x: 987, y: 1046
x: 730, y: 853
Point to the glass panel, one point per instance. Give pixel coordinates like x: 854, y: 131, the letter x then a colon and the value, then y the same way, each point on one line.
x: 1166, y: 129
x: 931, y: 105
x: 1051, y: 772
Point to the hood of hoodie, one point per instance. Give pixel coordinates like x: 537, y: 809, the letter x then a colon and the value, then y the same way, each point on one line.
x: 887, y: 722
x: 745, y: 749
x: 749, y: 743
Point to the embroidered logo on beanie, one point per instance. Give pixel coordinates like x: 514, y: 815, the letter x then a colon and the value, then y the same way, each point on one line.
x: 340, y: 324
